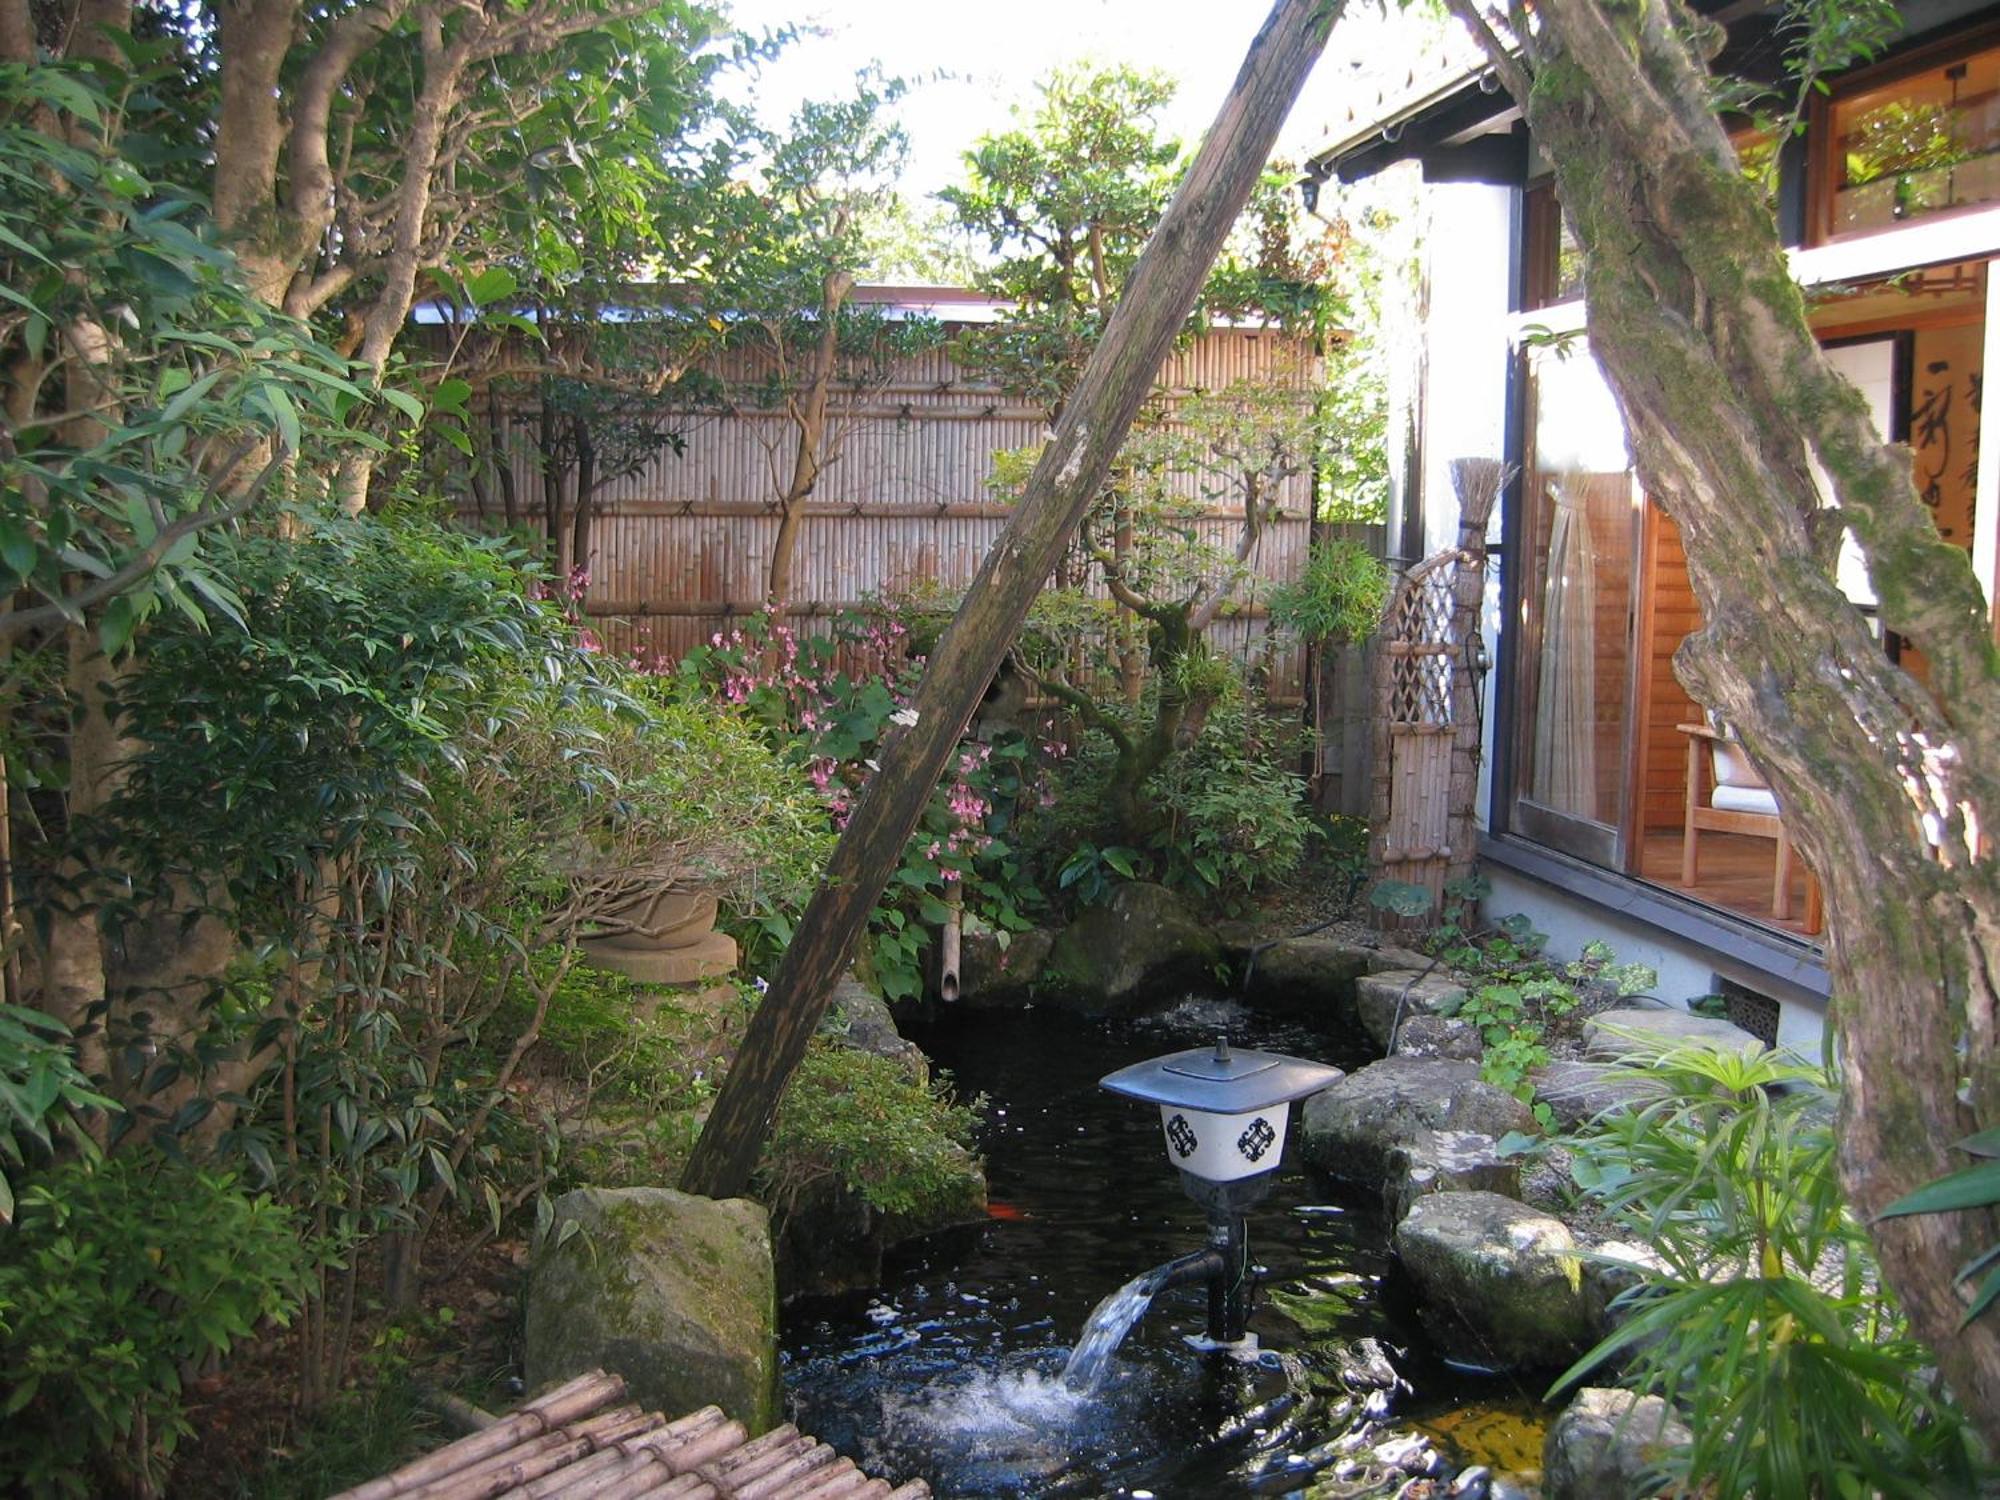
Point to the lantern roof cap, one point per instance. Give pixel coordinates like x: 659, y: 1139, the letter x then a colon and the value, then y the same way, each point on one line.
x: 1221, y: 1080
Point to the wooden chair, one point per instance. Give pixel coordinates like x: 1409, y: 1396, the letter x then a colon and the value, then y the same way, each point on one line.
x: 1725, y: 794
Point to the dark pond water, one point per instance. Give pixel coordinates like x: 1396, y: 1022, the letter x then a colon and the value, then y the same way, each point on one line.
x: 950, y: 1371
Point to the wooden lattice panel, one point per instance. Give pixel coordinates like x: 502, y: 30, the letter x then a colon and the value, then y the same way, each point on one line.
x: 1427, y: 729
x: 1419, y: 644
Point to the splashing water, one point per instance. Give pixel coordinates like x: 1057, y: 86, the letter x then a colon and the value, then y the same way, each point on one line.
x: 1009, y: 1432
x: 1105, y: 1330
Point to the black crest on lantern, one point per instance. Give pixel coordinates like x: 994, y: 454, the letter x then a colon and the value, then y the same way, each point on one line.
x: 1255, y: 1141
x: 1181, y: 1136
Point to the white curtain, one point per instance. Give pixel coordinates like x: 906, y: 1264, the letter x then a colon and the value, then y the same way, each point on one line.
x: 1565, y: 765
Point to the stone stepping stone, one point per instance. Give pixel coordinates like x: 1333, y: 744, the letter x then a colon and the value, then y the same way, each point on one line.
x: 1499, y: 1282
x: 1448, y: 1161
x: 1613, y: 1034
x: 1579, y: 1091
x: 1353, y: 1128
x: 1445, y: 1037
x: 1381, y: 997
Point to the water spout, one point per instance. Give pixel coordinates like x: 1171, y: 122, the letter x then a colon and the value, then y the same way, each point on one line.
x: 1120, y: 1312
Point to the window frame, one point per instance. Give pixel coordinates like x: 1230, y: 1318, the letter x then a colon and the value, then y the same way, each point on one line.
x: 1822, y: 159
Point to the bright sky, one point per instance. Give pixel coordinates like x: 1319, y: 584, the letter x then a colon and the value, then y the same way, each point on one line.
x: 974, y: 61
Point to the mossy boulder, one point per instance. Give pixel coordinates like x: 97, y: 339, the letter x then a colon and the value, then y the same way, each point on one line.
x: 1501, y: 1284
x: 1609, y: 1442
x: 1117, y: 958
x: 1355, y: 1129
x: 674, y: 1292
x: 1309, y: 976
x: 991, y: 976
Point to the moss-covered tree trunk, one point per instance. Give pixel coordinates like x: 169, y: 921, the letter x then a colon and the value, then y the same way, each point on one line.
x: 1889, y: 785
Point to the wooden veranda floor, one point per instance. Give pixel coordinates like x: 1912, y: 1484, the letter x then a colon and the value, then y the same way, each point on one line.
x: 1736, y: 874
x: 583, y: 1439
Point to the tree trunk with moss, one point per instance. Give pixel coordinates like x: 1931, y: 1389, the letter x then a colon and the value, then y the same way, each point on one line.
x: 1891, y: 786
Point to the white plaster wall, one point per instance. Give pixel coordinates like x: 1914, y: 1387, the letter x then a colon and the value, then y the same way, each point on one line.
x: 1686, y: 969
x: 1465, y: 400
x: 1469, y: 231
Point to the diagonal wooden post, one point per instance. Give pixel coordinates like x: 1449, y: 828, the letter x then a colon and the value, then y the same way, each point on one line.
x: 1072, y: 470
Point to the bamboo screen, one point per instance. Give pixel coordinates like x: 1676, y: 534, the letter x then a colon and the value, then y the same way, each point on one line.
x: 679, y: 550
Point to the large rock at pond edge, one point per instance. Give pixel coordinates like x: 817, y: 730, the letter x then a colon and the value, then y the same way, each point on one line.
x: 1312, y: 976
x: 1384, y: 998
x: 675, y: 1293
x: 1609, y: 1445
x: 1640, y: 1031
x: 1447, y: 1161
x: 1354, y: 1128
x: 857, y: 1017
x: 990, y: 976
x: 1119, y: 957
x: 1500, y: 1283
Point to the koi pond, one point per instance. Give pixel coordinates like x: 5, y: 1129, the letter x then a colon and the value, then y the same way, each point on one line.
x: 953, y: 1370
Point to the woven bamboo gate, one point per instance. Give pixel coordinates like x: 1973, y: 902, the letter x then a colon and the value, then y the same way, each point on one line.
x: 1429, y: 673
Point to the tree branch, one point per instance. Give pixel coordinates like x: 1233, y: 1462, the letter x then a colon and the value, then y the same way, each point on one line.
x: 1085, y: 706
x: 308, y: 149
x: 72, y: 607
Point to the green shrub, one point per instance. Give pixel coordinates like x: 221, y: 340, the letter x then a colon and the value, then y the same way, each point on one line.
x: 1769, y: 1326
x: 407, y: 778
x: 864, y: 1121
x: 41, y: 1091
x: 1340, y: 596
x: 1236, y: 809
x: 116, y: 1281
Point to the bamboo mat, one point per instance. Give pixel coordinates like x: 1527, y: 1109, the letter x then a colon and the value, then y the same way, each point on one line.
x: 584, y: 1441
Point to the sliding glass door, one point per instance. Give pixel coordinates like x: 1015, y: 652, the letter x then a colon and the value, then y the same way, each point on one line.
x: 1573, y: 679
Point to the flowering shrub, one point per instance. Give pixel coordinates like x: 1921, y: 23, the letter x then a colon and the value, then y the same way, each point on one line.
x: 834, y: 719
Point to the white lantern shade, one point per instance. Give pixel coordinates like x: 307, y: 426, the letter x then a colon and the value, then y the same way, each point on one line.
x: 1223, y: 1148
